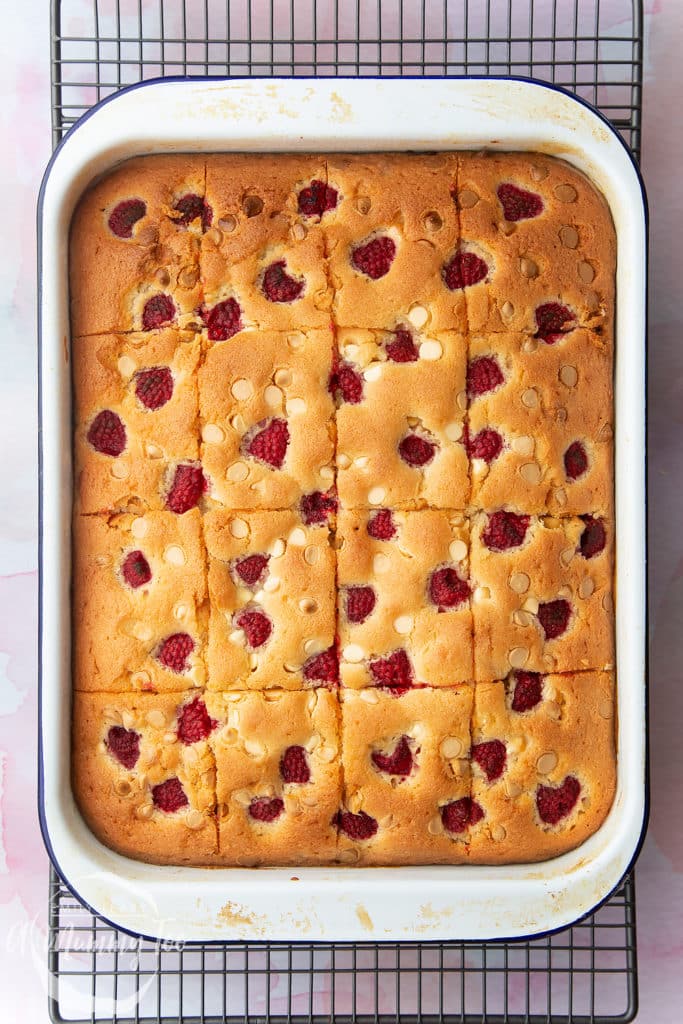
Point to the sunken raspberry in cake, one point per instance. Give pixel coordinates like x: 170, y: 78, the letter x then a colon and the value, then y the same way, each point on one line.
x: 343, y: 535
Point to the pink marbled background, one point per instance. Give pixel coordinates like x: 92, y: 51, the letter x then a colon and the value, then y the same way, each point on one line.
x: 24, y: 124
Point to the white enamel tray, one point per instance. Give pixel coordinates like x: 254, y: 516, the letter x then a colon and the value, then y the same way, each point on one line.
x: 423, y: 903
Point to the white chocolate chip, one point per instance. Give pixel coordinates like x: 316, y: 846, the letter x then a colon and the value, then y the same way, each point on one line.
x: 404, y: 624
x: 547, y: 763
x: 467, y: 199
x: 530, y: 345
x: 238, y: 472
x: 213, y: 434
x: 271, y: 584
x: 283, y: 377
x: 519, y: 582
x: 156, y: 718
x: 530, y: 398
x: 273, y: 396
x: 308, y: 605
x: 560, y: 496
x: 297, y: 537
x: 381, y: 563
x: 565, y: 193
x: 418, y: 316
x: 298, y: 232
x: 311, y: 555
x: 313, y: 647
x: 482, y: 594
x: 566, y: 556
x: 239, y: 528
x: 453, y: 431
x: 608, y: 603
x: 498, y: 833
x: 237, y: 423
x: 353, y: 653
x: 569, y: 236
x: 586, y: 588
x: 120, y: 470
x: 295, y: 407
x: 141, y: 631
x: 451, y: 747
x: 242, y: 389
x: 326, y: 473
x: 569, y: 376
x: 528, y: 268
x: 531, y: 605
x: 181, y: 611
x: 531, y: 473
x: 369, y: 696
x: 127, y: 366
x: 254, y: 748
x: 277, y: 548
x: 122, y: 787
x: 343, y: 461
x: 139, y: 527
x: 139, y: 680
x: 523, y: 445
x: 361, y: 462
x: 462, y: 400
x: 373, y: 372
x: 522, y: 618
x: 154, y: 451
x: 194, y: 819
x: 435, y: 826
x: 377, y: 495
x: 507, y: 310
x: 586, y: 272
x: 518, y: 657
x: 457, y: 550
x: 228, y: 224
x: 431, y: 350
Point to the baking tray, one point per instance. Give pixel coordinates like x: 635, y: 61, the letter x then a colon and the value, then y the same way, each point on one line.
x: 332, y: 903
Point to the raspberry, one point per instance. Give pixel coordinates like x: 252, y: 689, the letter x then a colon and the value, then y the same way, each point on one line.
x: 317, y: 507
x: 270, y: 443
x: 575, y: 460
x: 294, y: 765
x: 528, y: 691
x: 417, y: 451
x: 463, y: 270
x: 400, y: 762
x: 317, y: 198
x: 447, y: 590
x: 554, y: 617
x: 124, y: 745
x: 486, y: 445
x: 169, y: 796
x: 394, y: 670
x: 555, y: 802
x: 278, y: 286
x: 552, y: 321
x: 154, y: 387
x: 263, y: 808
x: 483, y: 375
x: 223, y: 320
x: 194, y: 722
x: 252, y: 569
x: 356, y: 826
x: 345, y: 384
x: 593, y: 538
x: 187, y: 488
x: 256, y: 625
x: 192, y: 206
x: 158, y: 312
x: 323, y: 667
x: 135, y: 569
x: 374, y: 259
x: 491, y: 757
x: 174, y: 652
x: 124, y: 216
x: 381, y: 525
x: 458, y: 815
x: 107, y: 433
x: 402, y: 349
x: 517, y: 203
x: 505, y: 530
x: 360, y: 602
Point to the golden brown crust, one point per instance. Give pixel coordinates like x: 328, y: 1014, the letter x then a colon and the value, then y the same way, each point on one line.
x: 570, y: 733
x: 254, y: 733
x: 330, y: 386
x: 118, y: 802
x: 118, y: 628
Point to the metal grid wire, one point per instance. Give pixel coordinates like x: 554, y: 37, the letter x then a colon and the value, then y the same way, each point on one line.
x: 584, y: 975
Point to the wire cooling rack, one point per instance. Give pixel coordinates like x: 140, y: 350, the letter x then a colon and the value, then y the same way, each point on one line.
x: 584, y: 975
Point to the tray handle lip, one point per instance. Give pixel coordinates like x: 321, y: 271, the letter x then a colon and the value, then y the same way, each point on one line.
x: 199, y: 79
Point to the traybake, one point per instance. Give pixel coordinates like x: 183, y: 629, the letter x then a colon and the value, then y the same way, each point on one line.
x: 343, y: 525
